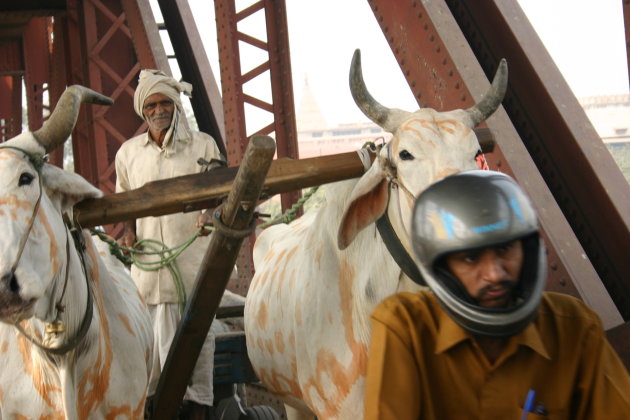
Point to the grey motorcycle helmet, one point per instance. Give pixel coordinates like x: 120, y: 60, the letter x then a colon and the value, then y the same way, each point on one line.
x: 474, y: 210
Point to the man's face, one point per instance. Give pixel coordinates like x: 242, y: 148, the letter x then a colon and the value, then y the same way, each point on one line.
x: 490, y: 274
x: 158, y: 111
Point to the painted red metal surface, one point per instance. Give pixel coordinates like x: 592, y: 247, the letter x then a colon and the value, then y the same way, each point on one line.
x: 11, y: 107
x: 37, y: 59
x: 282, y: 88
x: 11, y: 59
x: 233, y: 79
x: 97, y: 38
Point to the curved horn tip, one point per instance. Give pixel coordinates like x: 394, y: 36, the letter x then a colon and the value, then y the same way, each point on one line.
x: 366, y: 103
x: 501, y: 76
x: 502, y: 70
x: 88, y: 95
x: 355, y: 65
x: 62, y: 119
x: 493, y: 98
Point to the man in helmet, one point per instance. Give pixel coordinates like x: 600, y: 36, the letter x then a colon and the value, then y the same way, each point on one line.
x: 486, y: 341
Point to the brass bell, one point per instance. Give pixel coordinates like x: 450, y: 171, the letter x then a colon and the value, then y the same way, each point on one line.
x: 55, y: 327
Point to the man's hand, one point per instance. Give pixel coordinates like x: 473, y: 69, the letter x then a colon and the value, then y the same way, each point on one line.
x: 128, y: 238
x: 205, y: 219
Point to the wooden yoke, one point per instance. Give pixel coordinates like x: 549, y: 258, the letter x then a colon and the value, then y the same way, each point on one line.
x: 233, y: 221
x: 205, y: 190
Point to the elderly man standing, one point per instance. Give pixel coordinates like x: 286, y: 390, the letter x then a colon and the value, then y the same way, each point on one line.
x: 168, y: 149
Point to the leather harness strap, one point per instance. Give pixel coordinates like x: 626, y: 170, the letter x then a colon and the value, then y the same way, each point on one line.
x: 397, y: 250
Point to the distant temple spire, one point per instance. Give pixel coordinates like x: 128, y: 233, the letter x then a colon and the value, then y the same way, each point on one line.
x: 309, y: 115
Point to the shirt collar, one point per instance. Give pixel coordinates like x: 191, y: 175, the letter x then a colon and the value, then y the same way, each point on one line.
x: 530, y: 337
x: 450, y: 334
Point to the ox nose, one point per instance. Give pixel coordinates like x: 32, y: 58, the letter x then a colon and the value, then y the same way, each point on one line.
x: 10, y: 280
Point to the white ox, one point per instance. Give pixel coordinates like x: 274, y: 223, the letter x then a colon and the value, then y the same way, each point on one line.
x: 75, y: 337
x: 307, y: 312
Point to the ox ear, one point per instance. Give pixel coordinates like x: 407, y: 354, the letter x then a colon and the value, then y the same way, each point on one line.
x: 65, y: 189
x: 367, y: 203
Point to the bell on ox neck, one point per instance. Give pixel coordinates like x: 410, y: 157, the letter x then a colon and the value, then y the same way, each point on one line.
x: 55, y: 327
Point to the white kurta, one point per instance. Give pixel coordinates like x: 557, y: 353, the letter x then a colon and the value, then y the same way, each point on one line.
x: 138, y: 161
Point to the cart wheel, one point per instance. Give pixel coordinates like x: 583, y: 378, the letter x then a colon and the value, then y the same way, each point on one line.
x: 227, y: 409
x: 260, y: 412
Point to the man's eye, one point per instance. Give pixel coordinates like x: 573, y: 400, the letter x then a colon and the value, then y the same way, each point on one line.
x: 505, y: 248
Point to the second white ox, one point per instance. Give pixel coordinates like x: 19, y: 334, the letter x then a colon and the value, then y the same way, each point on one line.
x: 318, y: 279
x: 75, y: 336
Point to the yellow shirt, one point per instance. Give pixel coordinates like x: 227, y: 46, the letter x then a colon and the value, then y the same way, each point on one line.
x: 422, y: 365
x: 140, y: 160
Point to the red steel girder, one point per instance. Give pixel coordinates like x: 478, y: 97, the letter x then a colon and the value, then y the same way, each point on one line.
x: 11, y: 59
x: 232, y: 78
x: 37, y: 59
x: 34, y: 7
x: 106, y: 61
x: 145, y: 36
x: 98, y: 51
x: 84, y: 138
x: 38, y: 50
x: 10, y: 110
x: 234, y: 119
x: 231, y: 83
x: 443, y: 73
x: 234, y: 98
x: 282, y: 88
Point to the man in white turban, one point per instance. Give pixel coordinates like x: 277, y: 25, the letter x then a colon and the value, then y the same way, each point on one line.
x: 168, y: 149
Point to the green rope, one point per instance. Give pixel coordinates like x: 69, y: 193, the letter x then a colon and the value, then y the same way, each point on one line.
x: 290, y: 214
x: 167, y: 257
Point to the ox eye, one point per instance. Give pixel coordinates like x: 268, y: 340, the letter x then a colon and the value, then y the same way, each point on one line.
x: 405, y: 155
x: 25, y: 179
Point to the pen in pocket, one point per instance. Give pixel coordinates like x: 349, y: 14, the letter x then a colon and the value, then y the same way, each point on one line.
x: 529, y: 403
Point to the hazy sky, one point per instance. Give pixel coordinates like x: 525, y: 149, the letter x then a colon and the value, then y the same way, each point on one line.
x: 587, y: 43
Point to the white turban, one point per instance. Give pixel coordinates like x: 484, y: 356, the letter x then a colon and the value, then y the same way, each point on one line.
x: 155, y: 81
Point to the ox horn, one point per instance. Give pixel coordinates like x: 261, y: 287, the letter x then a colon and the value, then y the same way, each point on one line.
x: 59, y: 125
x: 493, y: 98
x: 368, y: 105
